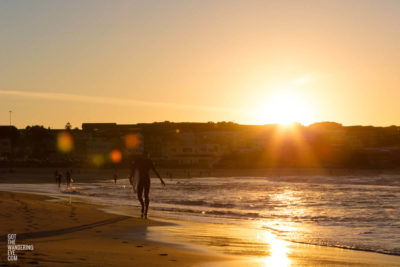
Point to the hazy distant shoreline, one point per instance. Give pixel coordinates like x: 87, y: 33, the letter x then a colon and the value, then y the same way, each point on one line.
x: 46, y: 175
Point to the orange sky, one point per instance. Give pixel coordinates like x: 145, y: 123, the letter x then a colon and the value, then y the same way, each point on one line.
x: 243, y: 61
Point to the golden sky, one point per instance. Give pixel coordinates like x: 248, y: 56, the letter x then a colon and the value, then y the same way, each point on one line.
x: 243, y: 61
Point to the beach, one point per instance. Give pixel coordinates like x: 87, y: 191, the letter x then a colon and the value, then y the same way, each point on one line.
x: 70, y: 232
x: 66, y: 234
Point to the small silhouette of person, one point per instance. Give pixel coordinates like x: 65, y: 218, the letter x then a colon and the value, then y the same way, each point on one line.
x: 115, y: 177
x: 143, y: 165
x: 68, y: 178
x: 58, y: 177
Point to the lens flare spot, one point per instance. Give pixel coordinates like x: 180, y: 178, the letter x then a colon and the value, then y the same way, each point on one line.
x: 65, y: 143
x: 115, y: 156
x: 98, y: 160
x: 132, y: 141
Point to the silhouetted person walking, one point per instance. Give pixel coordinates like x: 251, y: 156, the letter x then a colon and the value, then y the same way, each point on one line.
x: 68, y: 178
x: 58, y: 177
x: 115, y: 177
x: 143, y: 165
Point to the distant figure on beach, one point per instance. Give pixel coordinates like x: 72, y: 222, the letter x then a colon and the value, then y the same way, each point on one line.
x: 68, y: 178
x: 115, y: 177
x: 143, y: 165
x: 58, y: 177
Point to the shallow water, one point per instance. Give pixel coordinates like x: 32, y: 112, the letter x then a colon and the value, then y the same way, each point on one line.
x: 354, y: 212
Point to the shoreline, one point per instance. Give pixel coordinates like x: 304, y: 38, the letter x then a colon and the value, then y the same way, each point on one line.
x: 178, y: 222
x: 80, y: 234
x: 90, y: 224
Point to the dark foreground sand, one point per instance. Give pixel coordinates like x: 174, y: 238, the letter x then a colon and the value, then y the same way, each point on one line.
x: 78, y: 234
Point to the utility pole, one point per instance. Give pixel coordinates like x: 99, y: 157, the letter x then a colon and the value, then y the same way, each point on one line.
x: 10, y: 116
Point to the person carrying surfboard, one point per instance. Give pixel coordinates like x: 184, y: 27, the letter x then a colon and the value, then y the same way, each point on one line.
x: 143, y: 165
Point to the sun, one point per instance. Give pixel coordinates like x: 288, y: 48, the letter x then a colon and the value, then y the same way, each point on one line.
x: 283, y: 108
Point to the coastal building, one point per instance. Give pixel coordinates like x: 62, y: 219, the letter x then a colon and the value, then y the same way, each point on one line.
x: 8, y: 137
x: 191, y: 145
x: 103, y: 138
x: 5, y: 148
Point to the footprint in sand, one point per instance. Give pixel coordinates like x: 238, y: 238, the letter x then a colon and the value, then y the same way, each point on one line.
x: 39, y: 254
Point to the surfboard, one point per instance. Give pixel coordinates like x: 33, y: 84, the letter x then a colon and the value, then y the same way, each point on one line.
x: 135, y: 181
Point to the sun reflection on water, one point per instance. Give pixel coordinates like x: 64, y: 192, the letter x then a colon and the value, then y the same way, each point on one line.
x: 287, y: 196
x: 278, y: 251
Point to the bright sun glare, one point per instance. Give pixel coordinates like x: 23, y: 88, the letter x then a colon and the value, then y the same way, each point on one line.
x: 283, y: 108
